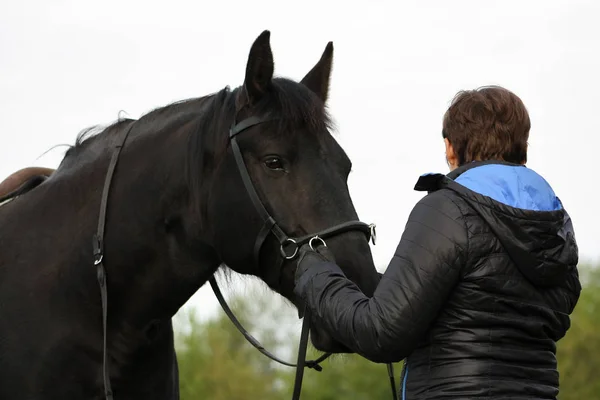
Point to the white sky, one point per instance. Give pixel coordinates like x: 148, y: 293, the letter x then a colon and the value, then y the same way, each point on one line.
x: 66, y: 65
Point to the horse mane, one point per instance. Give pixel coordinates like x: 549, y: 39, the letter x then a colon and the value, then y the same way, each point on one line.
x: 292, y: 102
x: 211, y: 116
x: 171, y: 112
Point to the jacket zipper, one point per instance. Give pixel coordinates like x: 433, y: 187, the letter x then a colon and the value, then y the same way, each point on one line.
x: 404, y: 376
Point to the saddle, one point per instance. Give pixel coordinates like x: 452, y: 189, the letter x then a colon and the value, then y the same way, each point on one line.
x: 22, y: 181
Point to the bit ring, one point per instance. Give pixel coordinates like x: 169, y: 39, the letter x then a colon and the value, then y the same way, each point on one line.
x: 284, y: 253
x: 316, y: 238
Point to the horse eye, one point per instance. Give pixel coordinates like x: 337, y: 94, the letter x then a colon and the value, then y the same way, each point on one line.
x: 274, y: 163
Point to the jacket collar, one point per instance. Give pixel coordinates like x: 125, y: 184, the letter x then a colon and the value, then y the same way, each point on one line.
x: 432, y: 181
x: 462, y: 169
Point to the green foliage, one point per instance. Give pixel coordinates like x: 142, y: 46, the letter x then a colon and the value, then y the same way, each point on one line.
x: 579, y: 351
x: 217, y: 363
x: 346, y: 376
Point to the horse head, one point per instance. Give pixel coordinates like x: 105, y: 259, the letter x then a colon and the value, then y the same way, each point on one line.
x: 300, y: 174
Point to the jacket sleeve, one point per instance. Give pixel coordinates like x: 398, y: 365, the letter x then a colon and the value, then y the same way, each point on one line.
x: 418, y: 280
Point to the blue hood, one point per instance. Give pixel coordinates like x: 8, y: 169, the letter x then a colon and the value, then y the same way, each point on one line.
x: 515, y: 186
x: 523, y: 212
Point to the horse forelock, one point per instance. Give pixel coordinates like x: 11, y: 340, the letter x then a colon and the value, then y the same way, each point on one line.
x: 292, y: 104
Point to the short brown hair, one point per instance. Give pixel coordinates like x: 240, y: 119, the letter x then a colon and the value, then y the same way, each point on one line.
x: 488, y: 123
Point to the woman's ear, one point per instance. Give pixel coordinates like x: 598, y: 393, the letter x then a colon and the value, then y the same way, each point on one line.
x: 450, y: 155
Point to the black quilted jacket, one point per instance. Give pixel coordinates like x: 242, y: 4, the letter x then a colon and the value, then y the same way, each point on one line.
x: 476, y: 296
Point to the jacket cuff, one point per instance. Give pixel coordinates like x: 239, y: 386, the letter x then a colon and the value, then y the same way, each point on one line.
x: 316, y: 267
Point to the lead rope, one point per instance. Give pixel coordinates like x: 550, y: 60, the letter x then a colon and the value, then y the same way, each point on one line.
x: 390, y: 368
x: 300, y: 364
x: 314, y: 364
x: 98, y: 246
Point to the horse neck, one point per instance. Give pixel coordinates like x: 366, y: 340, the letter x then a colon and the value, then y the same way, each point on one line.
x: 153, y: 264
x: 153, y: 267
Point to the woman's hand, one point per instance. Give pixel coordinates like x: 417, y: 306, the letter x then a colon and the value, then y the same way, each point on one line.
x: 307, y: 257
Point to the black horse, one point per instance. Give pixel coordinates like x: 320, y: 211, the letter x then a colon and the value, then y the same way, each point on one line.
x: 177, y: 211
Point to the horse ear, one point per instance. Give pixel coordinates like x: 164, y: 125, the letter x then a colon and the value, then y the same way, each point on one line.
x: 317, y: 79
x: 259, y: 69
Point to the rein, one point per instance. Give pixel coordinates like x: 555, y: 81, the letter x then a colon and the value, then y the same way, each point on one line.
x: 288, y: 250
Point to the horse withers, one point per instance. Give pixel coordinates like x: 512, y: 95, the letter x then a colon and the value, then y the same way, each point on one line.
x: 177, y: 210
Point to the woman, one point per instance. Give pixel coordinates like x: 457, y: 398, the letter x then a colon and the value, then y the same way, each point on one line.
x: 485, y: 275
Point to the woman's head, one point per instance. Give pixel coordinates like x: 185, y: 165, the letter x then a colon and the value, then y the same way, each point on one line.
x: 488, y: 123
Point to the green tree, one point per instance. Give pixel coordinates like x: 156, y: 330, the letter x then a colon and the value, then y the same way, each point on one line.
x: 578, y: 352
x: 346, y: 376
x: 216, y: 362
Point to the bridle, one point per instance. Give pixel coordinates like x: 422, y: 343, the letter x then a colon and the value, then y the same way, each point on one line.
x: 289, y: 248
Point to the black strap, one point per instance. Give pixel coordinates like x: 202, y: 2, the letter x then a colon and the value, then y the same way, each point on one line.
x: 269, y: 224
x: 262, y: 235
x: 390, y: 368
x: 314, y: 364
x: 301, y: 355
x: 239, y: 159
x: 247, y: 123
x: 367, y: 229
x: 98, y: 246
